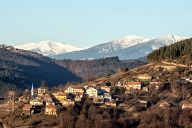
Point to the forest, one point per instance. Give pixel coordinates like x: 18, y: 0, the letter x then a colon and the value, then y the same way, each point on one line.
x: 96, y: 68
x: 174, y: 51
x: 19, y: 69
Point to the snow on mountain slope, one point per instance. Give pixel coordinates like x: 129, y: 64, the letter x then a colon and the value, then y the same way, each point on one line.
x: 48, y: 48
x: 103, y: 50
x: 119, y: 44
x: 130, y: 47
x: 141, y: 50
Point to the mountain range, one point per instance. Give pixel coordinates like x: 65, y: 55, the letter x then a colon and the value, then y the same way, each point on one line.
x: 126, y: 48
x: 48, y: 47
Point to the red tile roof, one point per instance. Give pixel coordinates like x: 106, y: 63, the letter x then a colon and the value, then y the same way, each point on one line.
x: 51, y: 106
x: 60, y: 94
x: 134, y: 83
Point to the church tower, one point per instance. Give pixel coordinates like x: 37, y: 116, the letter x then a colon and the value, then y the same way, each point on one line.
x: 32, y: 91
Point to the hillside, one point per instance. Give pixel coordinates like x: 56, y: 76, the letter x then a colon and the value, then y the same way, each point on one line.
x: 175, y: 51
x: 92, y: 69
x: 19, y: 68
x: 158, y: 102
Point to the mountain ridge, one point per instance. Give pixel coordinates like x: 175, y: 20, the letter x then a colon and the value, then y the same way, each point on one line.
x: 48, y: 47
x: 126, y: 48
x: 145, y: 46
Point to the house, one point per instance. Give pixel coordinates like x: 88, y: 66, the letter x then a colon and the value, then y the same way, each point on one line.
x: 67, y: 102
x: 143, y: 103
x: 107, y: 96
x: 51, y: 109
x: 60, y: 96
x: 78, y: 89
x: 111, y: 103
x: 119, y: 83
x: 47, y: 98
x: 155, y: 83
x: 42, y: 90
x: 186, y: 106
x: 146, y: 89
x: 78, y: 97
x: 74, y: 90
x: 144, y: 77
x: 105, y: 88
x: 133, y: 85
x: 92, y: 92
x: 36, y: 102
x: 11, y: 95
x: 121, y: 104
x: 68, y: 89
x: 27, y: 109
x: 85, y: 87
x: 24, y: 99
x: 164, y: 104
x: 98, y: 100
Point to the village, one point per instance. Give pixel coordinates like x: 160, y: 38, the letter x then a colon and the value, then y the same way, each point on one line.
x: 67, y: 96
x: 103, y: 95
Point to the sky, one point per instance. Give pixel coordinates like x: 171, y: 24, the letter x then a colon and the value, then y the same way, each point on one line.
x: 89, y: 22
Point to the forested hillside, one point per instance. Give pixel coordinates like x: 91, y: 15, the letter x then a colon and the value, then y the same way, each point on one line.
x: 92, y: 69
x: 19, y: 69
x: 174, y: 51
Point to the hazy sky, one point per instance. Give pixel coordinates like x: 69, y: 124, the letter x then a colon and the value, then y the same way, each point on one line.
x: 88, y: 22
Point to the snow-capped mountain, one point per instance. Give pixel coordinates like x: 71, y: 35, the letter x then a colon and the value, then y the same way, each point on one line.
x: 143, y: 49
x: 102, y: 50
x: 130, y: 47
x: 48, y: 48
x: 118, y: 44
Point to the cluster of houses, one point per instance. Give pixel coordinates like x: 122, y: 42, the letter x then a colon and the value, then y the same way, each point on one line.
x: 69, y: 95
x: 135, y: 84
x: 51, y: 102
x: 66, y: 97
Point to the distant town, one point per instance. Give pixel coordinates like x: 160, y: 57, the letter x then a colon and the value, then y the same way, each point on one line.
x: 51, y: 101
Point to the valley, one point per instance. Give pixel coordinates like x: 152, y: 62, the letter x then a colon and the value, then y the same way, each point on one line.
x: 157, y: 94
x: 95, y: 64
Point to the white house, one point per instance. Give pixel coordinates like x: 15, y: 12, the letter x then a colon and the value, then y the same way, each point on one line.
x: 92, y: 92
x: 74, y: 90
x: 133, y: 85
x: 36, y: 102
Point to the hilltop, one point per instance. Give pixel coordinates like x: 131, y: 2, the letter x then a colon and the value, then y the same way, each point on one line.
x: 20, y: 68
